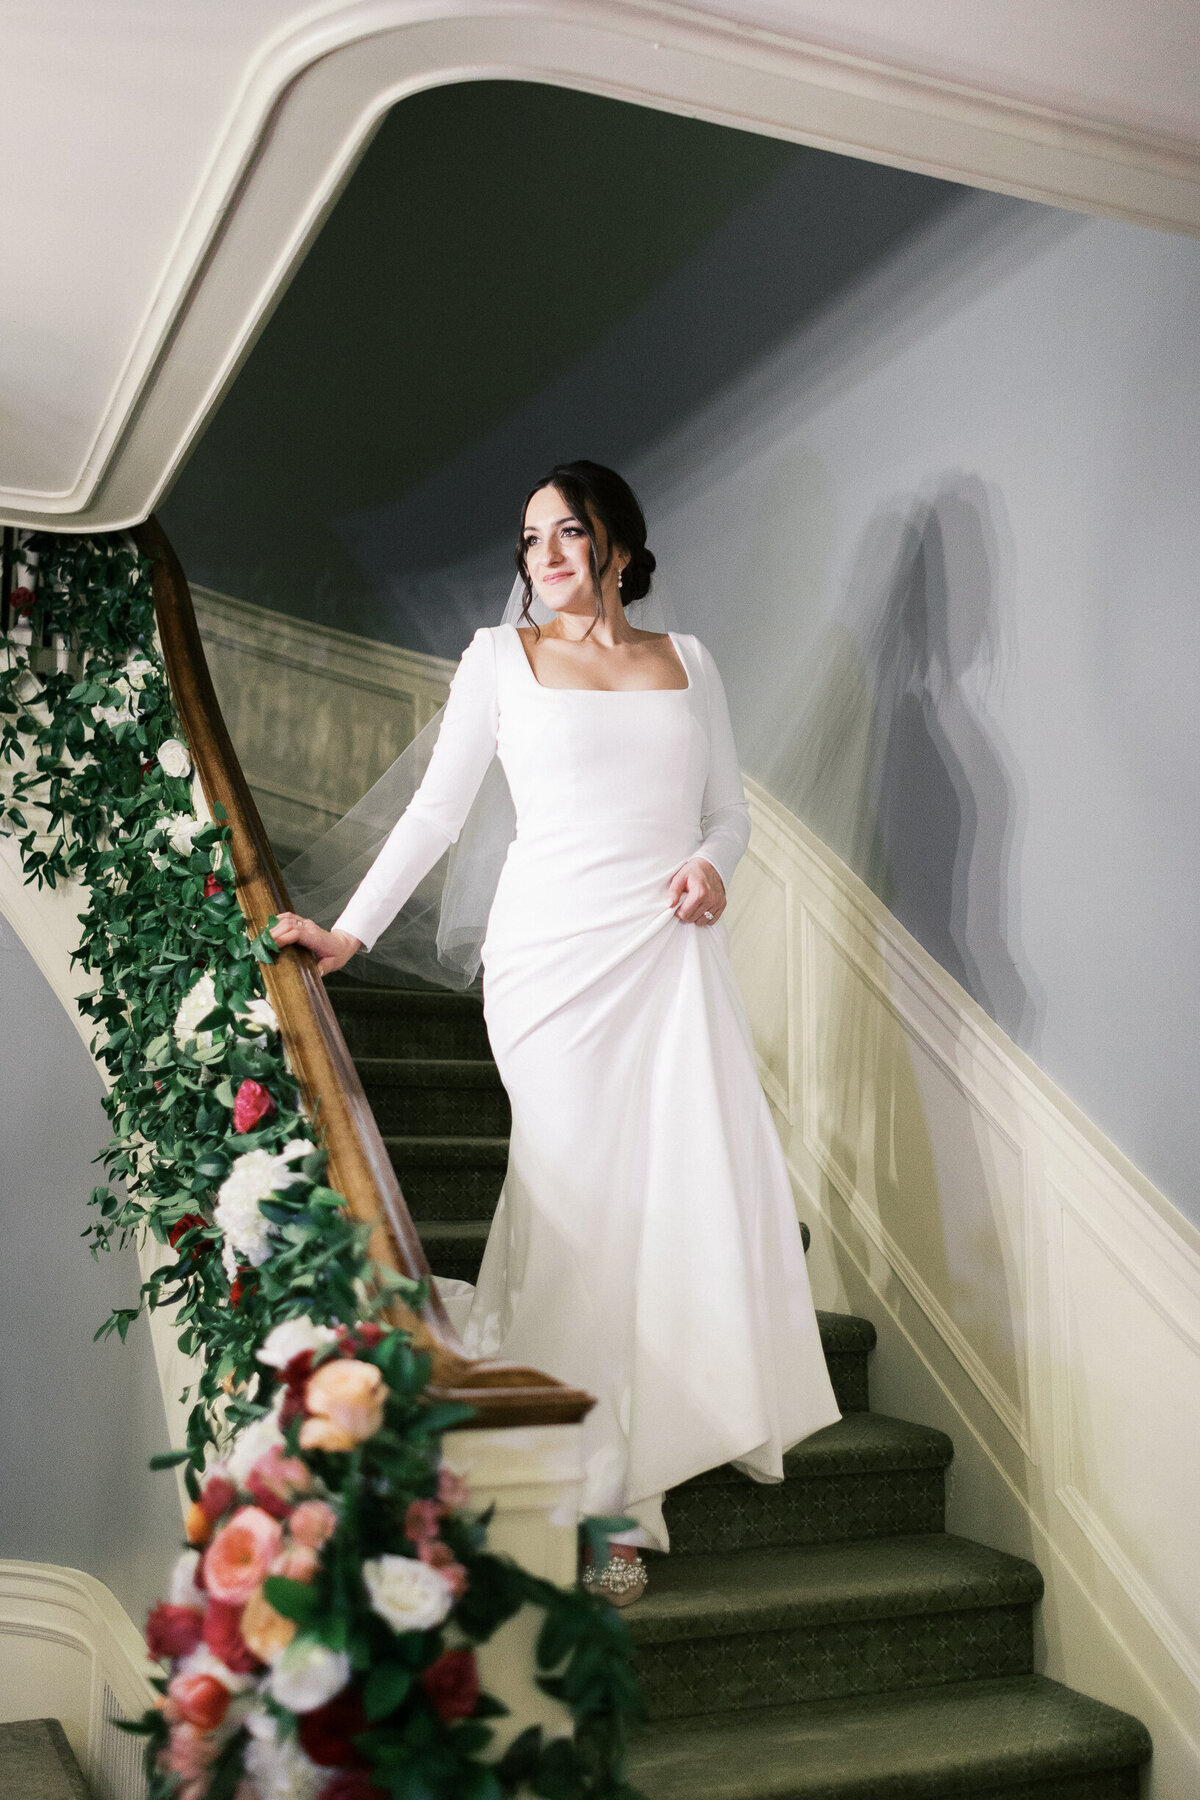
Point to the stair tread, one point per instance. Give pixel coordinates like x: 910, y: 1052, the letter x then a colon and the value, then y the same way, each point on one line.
x: 812, y: 1584
x: 449, y: 1150
x: 358, y: 997
x: 923, y: 1744
x: 846, y: 1332
x: 428, y: 1071
x: 858, y: 1443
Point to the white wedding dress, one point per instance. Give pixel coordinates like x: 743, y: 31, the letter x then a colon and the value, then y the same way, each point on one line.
x: 645, y: 1246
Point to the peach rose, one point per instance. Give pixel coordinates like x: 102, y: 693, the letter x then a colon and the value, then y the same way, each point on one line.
x: 197, y: 1526
x: 313, y: 1523
x: 266, y: 1632
x: 345, y: 1401
x: 240, y: 1555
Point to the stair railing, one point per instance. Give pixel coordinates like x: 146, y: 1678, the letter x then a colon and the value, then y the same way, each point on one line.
x: 503, y: 1394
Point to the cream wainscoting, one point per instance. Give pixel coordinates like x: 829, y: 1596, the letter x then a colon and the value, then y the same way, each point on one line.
x: 316, y: 715
x: 1035, y: 1296
x: 69, y: 1651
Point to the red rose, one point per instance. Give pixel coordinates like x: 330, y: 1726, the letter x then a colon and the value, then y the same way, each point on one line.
x: 173, y: 1631
x: 212, y: 886
x: 21, y: 600
x: 201, y: 1700
x: 327, y: 1731
x: 452, y: 1684
x: 244, y: 1282
x: 252, y: 1103
x: 187, y: 1223
x: 217, y: 1496
x: 223, y: 1635
x: 353, y: 1784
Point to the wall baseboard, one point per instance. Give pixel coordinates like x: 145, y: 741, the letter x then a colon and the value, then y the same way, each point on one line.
x: 69, y: 1651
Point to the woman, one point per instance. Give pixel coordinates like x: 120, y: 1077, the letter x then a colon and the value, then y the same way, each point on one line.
x: 645, y: 1246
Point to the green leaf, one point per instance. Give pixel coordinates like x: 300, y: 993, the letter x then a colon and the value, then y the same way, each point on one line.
x: 294, y: 1599
x: 387, y: 1685
x: 169, y: 1459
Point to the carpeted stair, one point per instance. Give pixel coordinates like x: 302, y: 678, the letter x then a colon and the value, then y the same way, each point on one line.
x: 819, y: 1639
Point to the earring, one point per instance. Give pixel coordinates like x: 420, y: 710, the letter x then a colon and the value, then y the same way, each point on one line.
x: 620, y: 577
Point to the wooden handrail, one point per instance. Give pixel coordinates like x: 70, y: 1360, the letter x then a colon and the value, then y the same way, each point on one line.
x: 359, y: 1166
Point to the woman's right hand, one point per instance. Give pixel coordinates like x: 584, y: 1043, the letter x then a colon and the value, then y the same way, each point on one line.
x: 333, y: 949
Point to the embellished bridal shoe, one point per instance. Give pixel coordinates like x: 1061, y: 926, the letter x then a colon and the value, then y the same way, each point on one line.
x: 620, y: 1582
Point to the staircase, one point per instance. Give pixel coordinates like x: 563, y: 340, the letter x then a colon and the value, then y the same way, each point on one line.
x: 820, y: 1639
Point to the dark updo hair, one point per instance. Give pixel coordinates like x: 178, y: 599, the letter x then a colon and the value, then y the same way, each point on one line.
x: 596, y: 495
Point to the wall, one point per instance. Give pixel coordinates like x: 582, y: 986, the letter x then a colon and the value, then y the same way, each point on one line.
x: 943, y: 544
x: 78, y: 1421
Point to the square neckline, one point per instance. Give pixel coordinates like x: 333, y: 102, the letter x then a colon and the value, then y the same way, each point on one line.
x: 541, y: 685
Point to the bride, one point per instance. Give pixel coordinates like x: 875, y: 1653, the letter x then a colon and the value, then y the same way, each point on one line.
x: 645, y: 1246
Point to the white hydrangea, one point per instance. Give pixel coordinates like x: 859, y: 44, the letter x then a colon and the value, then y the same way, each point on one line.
x: 173, y: 758
x: 409, y: 1595
x: 179, y: 829
x: 307, y: 1675
x: 183, y: 1590
x: 293, y: 1338
x: 256, y: 1175
x: 196, y: 1004
x: 277, y: 1767
x: 260, y: 1014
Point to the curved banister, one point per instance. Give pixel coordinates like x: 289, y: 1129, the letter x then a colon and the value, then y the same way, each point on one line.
x: 359, y: 1165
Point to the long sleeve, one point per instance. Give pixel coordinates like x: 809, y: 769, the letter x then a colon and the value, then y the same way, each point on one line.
x: 435, y: 815
x: 725, y: 816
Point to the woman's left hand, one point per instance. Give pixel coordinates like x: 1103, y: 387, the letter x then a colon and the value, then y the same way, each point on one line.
x: 697, y: 893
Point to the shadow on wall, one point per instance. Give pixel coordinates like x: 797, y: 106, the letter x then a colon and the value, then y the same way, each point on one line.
x: 895, y: 760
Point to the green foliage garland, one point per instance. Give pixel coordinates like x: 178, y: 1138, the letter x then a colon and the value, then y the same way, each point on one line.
x: 95, y: 785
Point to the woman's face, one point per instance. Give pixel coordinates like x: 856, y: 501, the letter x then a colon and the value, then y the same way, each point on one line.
x: 558, y: 555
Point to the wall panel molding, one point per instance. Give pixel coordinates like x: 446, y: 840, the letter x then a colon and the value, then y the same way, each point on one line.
x: 921, y: 1127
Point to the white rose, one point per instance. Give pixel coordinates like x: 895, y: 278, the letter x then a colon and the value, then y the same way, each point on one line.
x: 183, y: 1590
x: 307, y: 1675
x: 179, y: 829
x: 114, y: 715
x: 277, y: 1767
x: 196, y: 1004
x: 173, y: 758
x: 134, y: 674
x: 250, y: 1443
x: 256, y: 1175
x: 293, y: 1338
x: 408, y: 1594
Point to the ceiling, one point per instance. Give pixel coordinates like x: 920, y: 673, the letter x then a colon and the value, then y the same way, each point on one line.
x: 169, y: 164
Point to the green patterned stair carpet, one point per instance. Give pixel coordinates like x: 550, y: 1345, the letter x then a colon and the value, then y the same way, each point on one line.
x: 822, y: 1638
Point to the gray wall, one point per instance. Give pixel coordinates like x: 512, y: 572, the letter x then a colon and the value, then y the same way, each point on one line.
x: 944, y: 545
x: 78, y: 1421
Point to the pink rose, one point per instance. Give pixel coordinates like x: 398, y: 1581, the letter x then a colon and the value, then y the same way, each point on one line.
x: 439, y: 1556
x: 452, y: 1491
x: 313, y: 1523
x: 217, y: 1496
x: 240, y: 1555
x: 345, y: 1402
x: 422, y: 1520
x: 296, y: 1562
x: 276, y: 1480
x: 190, y: 1752
x: 252, y: 1103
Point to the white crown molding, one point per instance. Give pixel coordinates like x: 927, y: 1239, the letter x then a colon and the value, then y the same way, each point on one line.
x: 314, y: 94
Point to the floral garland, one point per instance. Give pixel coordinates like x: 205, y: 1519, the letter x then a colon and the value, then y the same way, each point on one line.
x: 321, y: 1630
